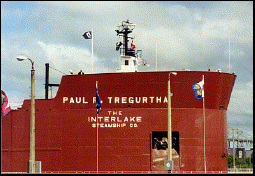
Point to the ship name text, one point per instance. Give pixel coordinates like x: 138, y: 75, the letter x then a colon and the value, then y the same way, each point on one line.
x: 117, y: 100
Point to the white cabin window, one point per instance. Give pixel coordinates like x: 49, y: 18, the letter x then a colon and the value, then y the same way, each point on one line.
x: 126, y: 62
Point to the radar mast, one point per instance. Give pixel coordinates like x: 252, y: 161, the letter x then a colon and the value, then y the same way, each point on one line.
x: 129, y: 58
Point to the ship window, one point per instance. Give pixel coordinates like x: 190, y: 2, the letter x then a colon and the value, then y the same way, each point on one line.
x: 159, y: 140
x: 159, y: 151
x: 126, y: 62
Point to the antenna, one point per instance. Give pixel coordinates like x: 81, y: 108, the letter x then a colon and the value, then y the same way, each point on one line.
x: 156, y: 56
x: 123, y: 30
x: 229, y: 52
x: 129, y: 58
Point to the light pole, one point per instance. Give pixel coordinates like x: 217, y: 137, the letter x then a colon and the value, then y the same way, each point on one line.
x: 234, y: 166
x: 32, y: 117
x: 169, y: 154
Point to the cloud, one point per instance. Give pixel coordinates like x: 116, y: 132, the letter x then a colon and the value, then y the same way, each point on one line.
x: 240, y: 109
x: 242, y: 99
x: 192, y: 35
x: 66, y: 57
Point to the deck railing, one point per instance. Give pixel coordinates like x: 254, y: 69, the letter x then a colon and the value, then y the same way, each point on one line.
x: 230, y: 170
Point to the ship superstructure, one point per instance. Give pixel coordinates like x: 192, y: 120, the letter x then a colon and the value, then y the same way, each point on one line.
x: 129, y: 57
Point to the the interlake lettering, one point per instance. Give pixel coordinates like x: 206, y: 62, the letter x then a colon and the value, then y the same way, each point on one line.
x: 115, y: 119
x: 123, y: 100
x: 114, y: 122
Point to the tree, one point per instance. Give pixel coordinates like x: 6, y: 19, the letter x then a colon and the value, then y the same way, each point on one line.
x: 240, y: 162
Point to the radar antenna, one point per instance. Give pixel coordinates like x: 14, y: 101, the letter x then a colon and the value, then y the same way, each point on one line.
x: 129, y: 57
x: 123, y: 30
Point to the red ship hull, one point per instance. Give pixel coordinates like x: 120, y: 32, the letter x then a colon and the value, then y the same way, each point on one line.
x: 134, y: 112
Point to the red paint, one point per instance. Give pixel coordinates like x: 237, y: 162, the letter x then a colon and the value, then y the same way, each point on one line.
x: 66, y: 140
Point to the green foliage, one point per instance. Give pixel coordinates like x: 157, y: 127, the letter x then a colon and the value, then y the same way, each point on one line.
x: 230, y: 161
x: 240, y: 162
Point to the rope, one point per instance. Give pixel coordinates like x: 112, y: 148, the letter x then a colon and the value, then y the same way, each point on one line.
x: 58, y: 70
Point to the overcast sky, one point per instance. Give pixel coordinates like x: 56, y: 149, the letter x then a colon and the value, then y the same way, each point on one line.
x: 193, y: 35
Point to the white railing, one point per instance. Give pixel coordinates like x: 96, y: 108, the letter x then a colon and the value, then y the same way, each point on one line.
x: 240, y: 170
x: 230, y: 170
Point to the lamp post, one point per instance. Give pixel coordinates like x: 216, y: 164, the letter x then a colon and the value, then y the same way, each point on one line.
x: 32, y: 117
x: 169, y: 154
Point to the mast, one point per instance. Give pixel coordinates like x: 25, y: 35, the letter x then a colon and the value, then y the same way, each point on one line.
x: 129, y: 58
x: 123, y: 30
x: 47, y: 84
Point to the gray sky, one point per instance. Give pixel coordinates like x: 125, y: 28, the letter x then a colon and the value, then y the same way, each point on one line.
x: 193, y: 35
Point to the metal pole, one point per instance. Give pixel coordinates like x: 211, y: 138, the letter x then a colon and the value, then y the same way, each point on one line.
x: 204, y: 133
x: 233, y: 150
x: 32, y: 117
x: 169, y: 157
x: 97, y: 143
x: 229, y: 53
x: 46, y: 80
x: 156, y: 56
x: 97, y: 133
x: 32, y: 122
x: 92, y: 49
x: 204, y: 127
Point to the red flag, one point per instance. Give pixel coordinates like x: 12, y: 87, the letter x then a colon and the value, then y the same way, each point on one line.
x: 132, y: 45
x: 118, y: 44
x: 5, y: 107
